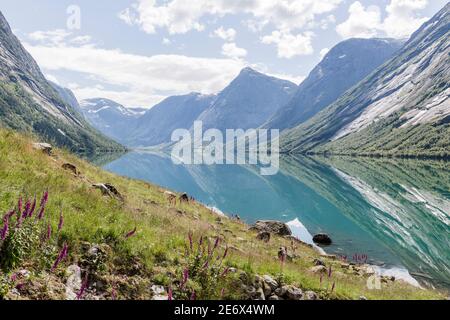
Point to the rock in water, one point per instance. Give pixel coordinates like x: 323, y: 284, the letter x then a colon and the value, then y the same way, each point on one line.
x: 322, y: 238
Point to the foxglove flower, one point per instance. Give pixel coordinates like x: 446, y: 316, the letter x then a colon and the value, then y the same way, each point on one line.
x: 185, y: 278
x: 62, y: 255
x: 5, y: 229
x: 193, y: 296
x: 49, y: 232
x: 83, y: 287
x: 170, y: 296
x: 131, y: 233
x: 33, y: 207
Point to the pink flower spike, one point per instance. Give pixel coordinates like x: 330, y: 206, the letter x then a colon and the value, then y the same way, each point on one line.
x: 131, y: 233
x: 49, y: 232
x: 193, y: 296
x: 170, y: 297
x: 33, y: 207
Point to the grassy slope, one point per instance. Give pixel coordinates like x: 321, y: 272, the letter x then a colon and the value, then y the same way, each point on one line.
x: 160, y: 241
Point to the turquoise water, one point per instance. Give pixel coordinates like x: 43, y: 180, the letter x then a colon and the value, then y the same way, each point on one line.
x: 395, y: 213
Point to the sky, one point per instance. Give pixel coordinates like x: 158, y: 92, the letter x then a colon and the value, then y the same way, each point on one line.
x: 138, y: 52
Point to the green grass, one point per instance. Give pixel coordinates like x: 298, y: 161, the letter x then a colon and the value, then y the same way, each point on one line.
x: 157, y: 251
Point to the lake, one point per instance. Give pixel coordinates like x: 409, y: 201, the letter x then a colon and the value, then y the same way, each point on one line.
x: 394, y: 213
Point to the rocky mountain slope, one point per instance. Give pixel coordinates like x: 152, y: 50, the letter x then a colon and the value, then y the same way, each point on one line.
x: 29, y: 103
x: 110, y: 117
x: 67, y: 96
x: 178, y: 112
x: 400, y: 109
x: 248, y: 101
x: 343, y: 67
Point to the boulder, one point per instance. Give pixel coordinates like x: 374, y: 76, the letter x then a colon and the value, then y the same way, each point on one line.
x: 259, y: 294
x: 159, y: 293
x: 318, y: 262
x: 274, y: 297
x: 319, y: 269
x: 323, y: 239
x: 311, y: 295
x: 74, y: 281
x: 275, y: 227
x: 293, y: 293
x: 108, y: 190
x: 268, y: 280
x: 44, y: 147
x: 263, y: 236
x: 184, y: 197
x: 70, y: 167
x: 281, y: 292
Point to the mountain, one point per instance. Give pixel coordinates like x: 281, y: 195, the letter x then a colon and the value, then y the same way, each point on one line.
x: 343, y: 67
x: 248, y: 101
x: 176, y: 112
x: 29, y: 103
x: 400, y: 109
x: 67, y: 96
x: 110, y: 117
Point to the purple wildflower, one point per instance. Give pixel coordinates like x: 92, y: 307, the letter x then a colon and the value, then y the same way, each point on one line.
x: 83, y: 287
x: 41, y: 212
x: 185, y: 278
x: 193, y: 296
x: 329, y: 272
x: 5, y: 229
x: 62, y: 255
x: 222, y: 292
x: 33, y: 207
x: 170, y: 296
x: 49, y: 232
x: 131, y: 233
x: 225, y: 272
x: 27, y: 209
x: 9, y: 215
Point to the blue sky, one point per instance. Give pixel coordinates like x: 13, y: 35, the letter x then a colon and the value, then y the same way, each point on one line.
x: 137, y: 52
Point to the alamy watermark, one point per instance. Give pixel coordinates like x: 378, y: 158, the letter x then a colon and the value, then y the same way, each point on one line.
x: 233, y: 146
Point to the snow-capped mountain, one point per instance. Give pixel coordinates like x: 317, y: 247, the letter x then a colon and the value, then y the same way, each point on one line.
x: 342, y: 67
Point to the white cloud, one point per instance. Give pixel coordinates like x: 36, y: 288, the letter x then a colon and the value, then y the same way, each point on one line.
x: 166, y: 41
x: 290, y: 45
x: 401, y: 20
x: 324, y: 52
x: 225, y: 34
x: 181, y: 16
x: 53, y: 37
x: 361, y: 23
x: 142, y: 77
x: 231, y: 50
x: 52, y: 78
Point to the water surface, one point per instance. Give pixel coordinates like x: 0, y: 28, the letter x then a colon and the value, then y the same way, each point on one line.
x: 394, y: 212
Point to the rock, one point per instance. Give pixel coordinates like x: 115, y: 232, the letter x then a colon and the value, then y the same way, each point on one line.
x: 159, y: 293
x: 323, y: 239
x: 275, y: 227
x: 274, y: 298
x: 266, y: 289
x: 273, y: 285
x: 362, y: 298
x: 318, y: 262
x: 74, y: 281
x: 44, y: 147
x: 293, y: 293
x: 318, y: 269
x: 108, y: 190
x: 70, y: 167
x: 311, y: 295
x: 281, y: 292
x: 259, y: 294
x: 263, y: 236
x: 184, y: 197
